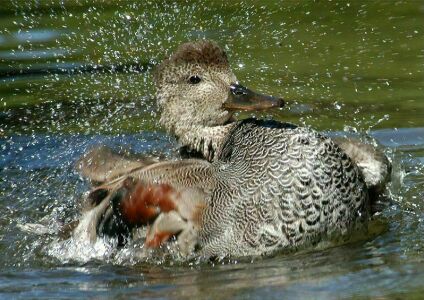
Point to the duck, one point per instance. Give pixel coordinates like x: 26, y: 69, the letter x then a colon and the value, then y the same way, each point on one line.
x: 240, y: 187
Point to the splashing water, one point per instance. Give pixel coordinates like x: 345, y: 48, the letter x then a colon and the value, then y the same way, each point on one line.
x: 75, y: 74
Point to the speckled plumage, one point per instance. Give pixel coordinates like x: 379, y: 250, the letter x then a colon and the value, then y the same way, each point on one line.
x: 280, y: 186
x: 260, y: 186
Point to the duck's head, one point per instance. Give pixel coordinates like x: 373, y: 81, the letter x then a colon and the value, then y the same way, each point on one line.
x: 197, y: 90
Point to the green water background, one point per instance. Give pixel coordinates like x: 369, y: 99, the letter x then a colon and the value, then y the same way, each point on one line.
x: 74, y: 74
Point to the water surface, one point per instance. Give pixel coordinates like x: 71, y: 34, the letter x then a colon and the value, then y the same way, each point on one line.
x: 75, y: 74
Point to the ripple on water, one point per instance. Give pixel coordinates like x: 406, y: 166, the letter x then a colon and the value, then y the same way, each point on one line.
x: 36, y: 35
x: 34, y: 54
x: 390, y: 261
x: 32, y: 36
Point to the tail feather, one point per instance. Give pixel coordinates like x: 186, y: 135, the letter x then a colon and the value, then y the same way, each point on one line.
x: 374, y: 165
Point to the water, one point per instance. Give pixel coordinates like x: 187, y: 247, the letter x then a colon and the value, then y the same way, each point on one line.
x: 73, y: 75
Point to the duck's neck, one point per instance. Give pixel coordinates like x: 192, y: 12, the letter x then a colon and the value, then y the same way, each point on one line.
x: 206, y: 140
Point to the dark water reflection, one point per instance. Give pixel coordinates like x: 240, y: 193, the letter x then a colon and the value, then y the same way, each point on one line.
x: 77, y: 74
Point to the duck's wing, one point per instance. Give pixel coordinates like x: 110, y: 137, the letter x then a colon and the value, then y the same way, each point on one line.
x: 102, y: 164
x: 371, y: 160
x: 168, y: 196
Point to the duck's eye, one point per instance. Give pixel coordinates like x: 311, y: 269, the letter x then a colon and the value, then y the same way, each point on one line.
x: 194, y: 79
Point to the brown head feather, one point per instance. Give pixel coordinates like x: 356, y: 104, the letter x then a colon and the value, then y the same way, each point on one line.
x: 203, y: 52
x: 200, y: 52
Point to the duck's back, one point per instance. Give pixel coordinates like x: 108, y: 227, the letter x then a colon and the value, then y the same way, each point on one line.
x: 280, y: 186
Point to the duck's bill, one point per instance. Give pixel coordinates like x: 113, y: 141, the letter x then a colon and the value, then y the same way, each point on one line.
x: 241, y: 98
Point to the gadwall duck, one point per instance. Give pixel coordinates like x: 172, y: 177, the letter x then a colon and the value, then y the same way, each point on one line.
x: 248, y: 187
